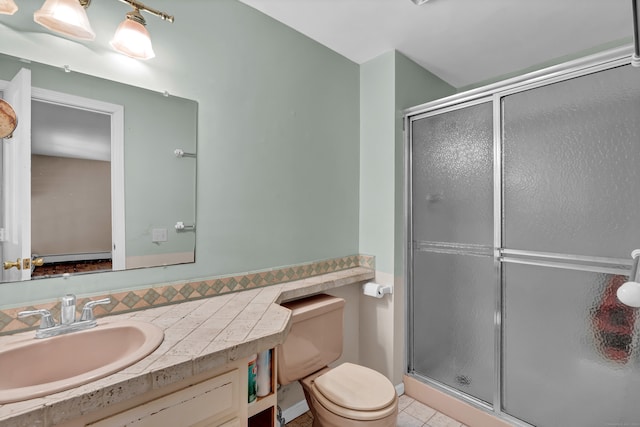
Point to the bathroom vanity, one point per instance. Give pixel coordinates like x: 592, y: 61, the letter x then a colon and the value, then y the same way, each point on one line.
x: 197, y: 376
x: 218, y: 400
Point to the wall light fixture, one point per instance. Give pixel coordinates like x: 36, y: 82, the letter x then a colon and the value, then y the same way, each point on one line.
x: 132, y: 38
x: 8, y: 7
x: 66, y: 17
x: 69, y: 18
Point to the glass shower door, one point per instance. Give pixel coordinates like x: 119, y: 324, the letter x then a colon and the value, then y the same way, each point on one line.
x: 453, y: 269
x: 571, y: 156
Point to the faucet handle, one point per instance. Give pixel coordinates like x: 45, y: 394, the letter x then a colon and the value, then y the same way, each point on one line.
x: 45, y: 322
x: 87, y: 311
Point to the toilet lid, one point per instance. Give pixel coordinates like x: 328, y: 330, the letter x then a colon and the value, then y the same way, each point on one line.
x: 356, y: 387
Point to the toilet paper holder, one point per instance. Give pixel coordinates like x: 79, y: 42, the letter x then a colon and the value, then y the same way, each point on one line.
x: 376, y: 290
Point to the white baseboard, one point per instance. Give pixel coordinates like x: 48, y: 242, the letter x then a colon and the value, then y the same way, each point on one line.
x: 295, y: 411
x: 301, y: 407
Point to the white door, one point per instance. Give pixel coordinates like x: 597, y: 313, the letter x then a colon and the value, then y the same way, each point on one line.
x: 16, y: 182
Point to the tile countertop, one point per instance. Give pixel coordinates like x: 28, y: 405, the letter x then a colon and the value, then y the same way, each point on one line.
x: 199, y: 336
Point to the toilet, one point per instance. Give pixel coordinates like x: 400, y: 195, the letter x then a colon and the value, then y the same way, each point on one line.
x: 344, y: 396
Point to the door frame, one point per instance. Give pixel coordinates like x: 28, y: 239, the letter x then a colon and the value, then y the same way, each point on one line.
x: 17, y: 170
x: 116, y: 112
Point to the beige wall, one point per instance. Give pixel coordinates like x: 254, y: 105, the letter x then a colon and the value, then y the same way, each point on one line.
x: 70, y: 205
x: 382, y: 340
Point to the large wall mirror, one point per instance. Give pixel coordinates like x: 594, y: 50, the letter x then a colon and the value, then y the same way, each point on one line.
x: 91, y: 181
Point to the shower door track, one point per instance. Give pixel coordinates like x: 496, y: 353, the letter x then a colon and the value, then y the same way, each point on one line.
x: 494, y: 93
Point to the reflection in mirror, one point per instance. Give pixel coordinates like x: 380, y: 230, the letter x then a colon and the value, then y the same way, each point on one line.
x: 8, y: 119
x: 71, y: 213
x: 105, y: 187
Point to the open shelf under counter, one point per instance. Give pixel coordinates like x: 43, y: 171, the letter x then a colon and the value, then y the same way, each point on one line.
x: 262, y: 412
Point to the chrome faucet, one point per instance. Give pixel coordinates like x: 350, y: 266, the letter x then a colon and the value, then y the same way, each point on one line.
x: 68, y: 323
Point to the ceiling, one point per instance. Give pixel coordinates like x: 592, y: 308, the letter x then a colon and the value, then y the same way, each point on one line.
x: 62, y: 131
x: 461, y: 41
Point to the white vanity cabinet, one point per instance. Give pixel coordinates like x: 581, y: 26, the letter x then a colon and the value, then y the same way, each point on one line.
x: 213, y: 402
x: 216, y: 398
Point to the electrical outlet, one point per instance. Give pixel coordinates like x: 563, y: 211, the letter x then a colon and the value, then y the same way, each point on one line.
x: 159, y: 235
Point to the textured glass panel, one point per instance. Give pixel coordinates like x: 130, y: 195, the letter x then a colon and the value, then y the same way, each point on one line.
x: 453, y: 321
x: 570, y: 349
x: 452, y: 176
x: 571, y: 165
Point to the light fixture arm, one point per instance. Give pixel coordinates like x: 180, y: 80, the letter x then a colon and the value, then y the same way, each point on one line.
x: 139, y: 6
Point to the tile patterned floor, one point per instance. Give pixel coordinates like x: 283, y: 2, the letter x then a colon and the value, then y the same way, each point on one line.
x: 411, y: 414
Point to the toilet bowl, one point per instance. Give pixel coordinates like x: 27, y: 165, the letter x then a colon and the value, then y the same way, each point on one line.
x: 345, y: 396
x: 351, y: 395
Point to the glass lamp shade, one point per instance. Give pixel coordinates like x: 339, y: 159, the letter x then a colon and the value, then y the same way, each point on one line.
x: 66, y: 17
x: 132, y: 39
x: 8, y: 7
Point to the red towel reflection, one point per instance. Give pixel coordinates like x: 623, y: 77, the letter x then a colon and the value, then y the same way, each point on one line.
x: 613, y: 323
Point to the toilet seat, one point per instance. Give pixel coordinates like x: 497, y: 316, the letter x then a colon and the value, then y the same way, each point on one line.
x: 354, y: 392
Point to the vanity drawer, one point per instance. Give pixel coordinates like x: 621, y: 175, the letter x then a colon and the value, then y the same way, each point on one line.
x: 210, y: 403
x: 233, y: 423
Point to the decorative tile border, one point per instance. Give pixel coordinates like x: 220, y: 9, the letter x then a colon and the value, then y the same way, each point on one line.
x: 188, y: 290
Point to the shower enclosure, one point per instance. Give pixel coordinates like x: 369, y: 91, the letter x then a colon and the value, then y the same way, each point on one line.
x: 523, y: 210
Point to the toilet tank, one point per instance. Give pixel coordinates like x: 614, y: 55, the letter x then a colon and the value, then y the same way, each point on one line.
x: 315, y: 339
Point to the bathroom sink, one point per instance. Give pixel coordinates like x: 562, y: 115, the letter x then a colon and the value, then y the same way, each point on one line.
x: 32, y: 368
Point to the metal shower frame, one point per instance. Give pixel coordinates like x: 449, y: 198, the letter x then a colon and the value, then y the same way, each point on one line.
x: 493, y: 93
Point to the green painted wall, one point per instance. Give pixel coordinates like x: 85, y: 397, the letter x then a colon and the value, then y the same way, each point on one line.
x: 278, y: 148
x: 377, y: 132
x: 389, y: 84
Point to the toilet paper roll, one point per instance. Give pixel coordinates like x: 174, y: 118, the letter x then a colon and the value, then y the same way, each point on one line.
x: 263, y: 379
x: 372, y: 289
